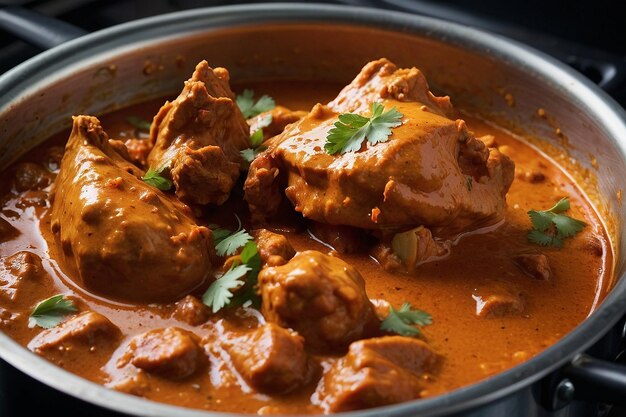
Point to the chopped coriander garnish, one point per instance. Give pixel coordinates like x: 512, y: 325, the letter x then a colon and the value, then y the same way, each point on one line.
x: 352, y: 129
x: 227, y: 242
x: 256, y: 140
x: 551, y: 227
x: 219, y: 293
x: 139, y: 123
x: 222, y: 291
x: 50, y: 312
x: 250, y: 108
x: 403, y: 320
x: 154, y: 178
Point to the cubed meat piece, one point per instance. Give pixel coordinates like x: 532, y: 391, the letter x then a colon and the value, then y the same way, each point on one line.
x: 87, y: 331
x: 280, y: 117
x: 124, y: 238
x: 431, y: 171
x: 377, y: 372
x: 7, y: 231
x: 536, y: 265
x: 198, y: 136
x: 321, y: 297
x: 274, y: 249
x: 271, y: 359
x: 137, y: 384
x: 30, y: 176
x: 171, y: 353
x: 498, y: 299
x: 22, y: 280
x: 262, y: 189
x: 343, y: 239
x: 192, y: 311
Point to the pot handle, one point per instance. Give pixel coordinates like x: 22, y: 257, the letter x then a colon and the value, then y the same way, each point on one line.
x: 36, y: 28
x: 594, y: 380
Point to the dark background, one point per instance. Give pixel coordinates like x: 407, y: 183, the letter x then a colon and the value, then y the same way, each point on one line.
x: 586, y: 34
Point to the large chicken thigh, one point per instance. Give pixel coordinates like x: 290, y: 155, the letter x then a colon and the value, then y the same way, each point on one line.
x: 125, y: 239
x: 431, y: 172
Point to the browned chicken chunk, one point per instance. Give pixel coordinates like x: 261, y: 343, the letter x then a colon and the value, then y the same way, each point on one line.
x: 123, y: 237
x: 198, y: 137
x: 536, y: 265
x: 88, y: 330
x: 498, y: 299
x: 377, y: 372
x: 30, y: 176
x: 274, y: 249
x: 191, y: 311
x: 171, y: 353
x: 271, y: 359
x: 321, y: 297
x: 432, y: 171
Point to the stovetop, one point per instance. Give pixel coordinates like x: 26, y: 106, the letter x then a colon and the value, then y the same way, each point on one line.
x: 582, y: 33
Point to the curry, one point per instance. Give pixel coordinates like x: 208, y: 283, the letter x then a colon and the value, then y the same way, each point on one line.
x: 284, y: 256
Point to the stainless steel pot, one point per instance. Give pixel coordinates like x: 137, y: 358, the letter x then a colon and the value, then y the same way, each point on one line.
x: 149, y: 58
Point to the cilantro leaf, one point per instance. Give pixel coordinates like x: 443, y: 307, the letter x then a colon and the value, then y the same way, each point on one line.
x: 250, y: 108
x: 256, y: 138
x: 50, y: 312
x: 220, y: 292
x: 249, y: 154
x: 139, y: 123
x: 155, y: 179
x: 250, y: 257
x: 229, y: 244
x: 403, y: 320
x: 551, y: 227
x: 352, y: 129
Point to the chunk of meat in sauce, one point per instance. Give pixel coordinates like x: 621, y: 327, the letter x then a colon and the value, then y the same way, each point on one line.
x: 88, y: 331
x: 192, y: 311
x: 262, y: 189
x: 498, y: 299
x: 138, y: 150
x: 198, y: 137
x: 7, y: 231
x: 24, y: 269
x: 280, y: 118
x: 377, y: 372
x: 274, y: 249
x: 171, y: 353
x: 536, y: 265
x: 321, y: 297
x: 270, y: 358
x: 31, y: 176
x: 418, y: 177
x: 125, y: 238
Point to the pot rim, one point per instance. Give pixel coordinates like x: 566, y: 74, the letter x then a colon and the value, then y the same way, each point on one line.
x: 16, y: 82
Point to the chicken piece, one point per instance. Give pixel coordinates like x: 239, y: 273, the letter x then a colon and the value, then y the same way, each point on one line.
x: 498, y: 299
x: 262, y: 191
x: 7, y: 231
x: 87, y: 331
x: 271, y: 359
x: 120, y: 237
x: 536, y: 265
x: 171, y: 353
x: 280, y: 117
x: 138, y: 150
x: 377, y: 372
x: 30, y: 176
x: 192, y: 311
x: 274, y: 249
x: 198, y: 137
x: 20, y: 281
x: 431, y: 172
x: 321, y: 297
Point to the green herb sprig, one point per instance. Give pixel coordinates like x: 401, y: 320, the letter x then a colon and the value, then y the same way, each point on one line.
x: 50, y: 312
x: 139, y: 123
x: 250, y: 108
x: 256, y: 140
x: 404, y: 320
x: 551, y: 227
x: 352, y: 129
x: 155, y: 179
